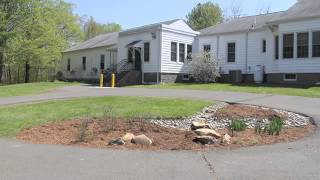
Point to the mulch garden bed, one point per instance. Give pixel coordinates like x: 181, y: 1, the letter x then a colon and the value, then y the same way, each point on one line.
x: 98, y: 133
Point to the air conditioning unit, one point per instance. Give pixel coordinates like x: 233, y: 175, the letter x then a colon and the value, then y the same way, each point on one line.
x: 235, y: 76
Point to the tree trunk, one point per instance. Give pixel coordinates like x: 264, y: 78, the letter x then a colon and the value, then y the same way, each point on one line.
x: 1, y: 65
x: 27, y: 73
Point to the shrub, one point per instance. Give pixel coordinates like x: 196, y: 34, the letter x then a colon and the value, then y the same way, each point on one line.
x: 204, y: 68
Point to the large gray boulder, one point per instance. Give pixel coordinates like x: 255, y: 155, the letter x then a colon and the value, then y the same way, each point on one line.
x: 118, y: 142
x: 205, y: 140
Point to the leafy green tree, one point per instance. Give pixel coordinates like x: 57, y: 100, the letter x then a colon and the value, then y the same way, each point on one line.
x: 48, y: 29
x: 93, y: 28
x: 12, y: 15
x: 205, y: 15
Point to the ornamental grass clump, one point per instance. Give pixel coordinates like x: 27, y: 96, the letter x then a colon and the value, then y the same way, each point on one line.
x: 237, y: 125
x: 274, y: 127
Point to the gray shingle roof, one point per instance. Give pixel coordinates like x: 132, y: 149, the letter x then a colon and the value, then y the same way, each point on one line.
x: 241, y: 24
x: 104, y: 40
x: 302, y: 9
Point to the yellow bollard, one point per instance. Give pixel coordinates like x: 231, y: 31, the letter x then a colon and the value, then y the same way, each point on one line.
x: 113, y: 80
x: 101, y: 80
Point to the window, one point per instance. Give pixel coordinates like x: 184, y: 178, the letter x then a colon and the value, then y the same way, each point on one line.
x: 69, y: 65
x: 264, y: 46
x: 231, y: 52
x: 316, y: 44
x: 276, y: 47
x: 186, y: 77
x: 130, y: 54
x: 288, y: 46
x: 207, y: 48
x: 146, y: 52
x: 84, y: 63
x: 102, y: 59
x: 303, y: 45
x: 189, y: 52
x: 173, y: 51
x: 182, y: 52
x: 290, y: 77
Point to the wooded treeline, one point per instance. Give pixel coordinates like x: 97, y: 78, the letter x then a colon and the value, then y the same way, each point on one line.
x: 33, y: 33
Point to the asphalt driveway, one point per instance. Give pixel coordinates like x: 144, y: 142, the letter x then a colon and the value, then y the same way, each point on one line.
x: 297, y: 160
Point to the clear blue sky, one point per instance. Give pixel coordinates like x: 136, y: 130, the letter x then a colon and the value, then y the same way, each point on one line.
x: 133, y: 13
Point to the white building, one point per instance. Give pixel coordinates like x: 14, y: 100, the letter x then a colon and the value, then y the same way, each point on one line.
x: 149, y: 54
x: 86, y: 61
x: 285, y: 44
x: 281, y: 47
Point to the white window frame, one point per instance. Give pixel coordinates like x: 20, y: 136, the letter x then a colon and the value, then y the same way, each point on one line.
x: 264, y: 51
x: 235, y: 52
x: 149, y: 52
x: 292, y: 80
x: 177, y: 51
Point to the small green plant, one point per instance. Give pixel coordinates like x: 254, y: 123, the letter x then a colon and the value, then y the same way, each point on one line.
x: 273, y: 128
x: 109, y: 119
x: 82, y: 133
x: 237, y: 125
x: 259, y: 128
x: 142, y: 121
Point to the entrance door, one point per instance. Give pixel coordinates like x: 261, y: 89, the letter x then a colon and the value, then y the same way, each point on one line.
x: 137, y: 64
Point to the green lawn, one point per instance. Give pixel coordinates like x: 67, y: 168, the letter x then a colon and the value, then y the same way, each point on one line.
x: 250, y: 88
x: 31, y: 88
x: 15, y: 118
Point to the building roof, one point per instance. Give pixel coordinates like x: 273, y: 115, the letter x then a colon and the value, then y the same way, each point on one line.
x: 302, y: 9
x: 150, y: 26
x: 111, y: 39
x: 242, y: 24
x: 105, y: 40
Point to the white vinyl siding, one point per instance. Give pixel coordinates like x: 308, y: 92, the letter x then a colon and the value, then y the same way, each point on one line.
x: 167, y: 65
x: 154, y: 60
x: 298, y: 65
x: 93, y: 60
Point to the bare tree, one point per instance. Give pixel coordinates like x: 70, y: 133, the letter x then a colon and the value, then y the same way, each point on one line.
x: 264, y: 9
x: 234, y: 11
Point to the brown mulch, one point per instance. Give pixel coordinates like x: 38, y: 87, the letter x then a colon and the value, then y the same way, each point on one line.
x: 98, y: 134
x: 237, y: 111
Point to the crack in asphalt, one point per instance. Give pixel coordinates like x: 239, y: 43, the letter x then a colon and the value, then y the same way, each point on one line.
x: 208, y: 164
x: 251, y: 99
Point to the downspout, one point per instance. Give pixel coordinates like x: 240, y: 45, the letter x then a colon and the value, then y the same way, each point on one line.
x: 160, y: 55
x: 247, y: 42
x: 218, y: 47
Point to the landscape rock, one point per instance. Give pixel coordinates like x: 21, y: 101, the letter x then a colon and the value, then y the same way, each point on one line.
x: 128, y: 137
x: 207, y: 117
x: 226, y: 139
x: 118, y: 141
x: 205, y: 140
x: 199, y: 125
x: 142, y: 140
x: 207, y: 132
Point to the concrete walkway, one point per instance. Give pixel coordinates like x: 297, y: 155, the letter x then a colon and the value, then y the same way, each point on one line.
x: 297, y: 160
